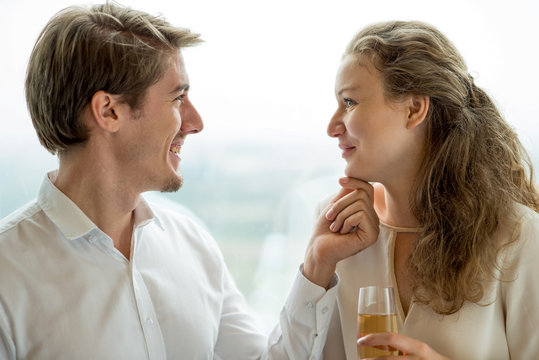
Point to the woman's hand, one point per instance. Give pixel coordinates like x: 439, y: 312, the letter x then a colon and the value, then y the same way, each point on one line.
x: 410, y: 348
x: 348, y: 225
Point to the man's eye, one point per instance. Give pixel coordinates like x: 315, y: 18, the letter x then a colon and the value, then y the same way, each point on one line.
x: 180, y: 98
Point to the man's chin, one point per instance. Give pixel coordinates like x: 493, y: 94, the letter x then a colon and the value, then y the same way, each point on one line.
x: 174, y: 184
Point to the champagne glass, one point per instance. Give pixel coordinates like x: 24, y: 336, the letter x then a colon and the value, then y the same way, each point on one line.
x: 376, y: 313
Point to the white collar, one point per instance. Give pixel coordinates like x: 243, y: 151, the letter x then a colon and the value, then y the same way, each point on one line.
x: 70, y: 219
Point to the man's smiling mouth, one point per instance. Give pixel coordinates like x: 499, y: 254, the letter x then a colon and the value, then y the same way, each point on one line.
x: 175, y: 149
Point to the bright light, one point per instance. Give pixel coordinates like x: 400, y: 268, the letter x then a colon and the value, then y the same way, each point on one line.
x: 263, y: 82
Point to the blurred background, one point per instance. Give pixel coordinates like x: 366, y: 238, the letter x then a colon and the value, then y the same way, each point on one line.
x: 263, y: 83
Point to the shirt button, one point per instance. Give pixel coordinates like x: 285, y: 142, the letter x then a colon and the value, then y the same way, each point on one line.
x: 310, y: 305
x: 149, y: 321
x: 325, y: 310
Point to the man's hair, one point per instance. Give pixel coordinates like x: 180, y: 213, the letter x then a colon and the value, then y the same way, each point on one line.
x: 473, y: 171
x: 83, y: 50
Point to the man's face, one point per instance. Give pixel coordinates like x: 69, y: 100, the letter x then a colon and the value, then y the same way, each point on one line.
x: 154, y: 134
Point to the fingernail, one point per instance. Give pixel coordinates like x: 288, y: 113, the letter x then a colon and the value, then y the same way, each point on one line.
x: 361, y: 340
x: 343, y: 180
x: 332, y: 226
x: 329, y: 214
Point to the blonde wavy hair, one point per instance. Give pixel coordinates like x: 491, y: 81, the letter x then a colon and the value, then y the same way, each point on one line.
x: 474, y: 169
x: 84, y: 49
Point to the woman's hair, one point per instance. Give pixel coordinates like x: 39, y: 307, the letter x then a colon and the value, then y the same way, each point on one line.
x: 83, y: 50
x: 474, y: 167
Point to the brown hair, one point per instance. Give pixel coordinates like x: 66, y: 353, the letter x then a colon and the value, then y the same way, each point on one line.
x: 474, y: 167
x: 86, y: 49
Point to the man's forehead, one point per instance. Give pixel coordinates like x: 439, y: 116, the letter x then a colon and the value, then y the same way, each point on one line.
x: 175, y: 78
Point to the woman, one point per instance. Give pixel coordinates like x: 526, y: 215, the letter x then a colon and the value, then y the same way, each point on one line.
x: 452, y: 212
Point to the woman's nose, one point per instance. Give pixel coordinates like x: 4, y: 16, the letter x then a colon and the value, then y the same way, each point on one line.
x: 335, y: 126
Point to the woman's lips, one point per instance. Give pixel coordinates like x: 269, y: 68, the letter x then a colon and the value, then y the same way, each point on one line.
x: 346, y: 149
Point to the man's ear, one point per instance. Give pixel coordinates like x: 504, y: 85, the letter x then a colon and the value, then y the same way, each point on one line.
x: 106, y: 110
x: 418, y: 109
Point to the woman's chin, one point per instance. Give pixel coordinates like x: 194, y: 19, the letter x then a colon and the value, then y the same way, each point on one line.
x: 348, y: 172
x: 352, y: 173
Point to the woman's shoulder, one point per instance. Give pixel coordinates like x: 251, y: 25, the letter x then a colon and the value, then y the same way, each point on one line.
x: 526, y: 222
x: 522, y: 236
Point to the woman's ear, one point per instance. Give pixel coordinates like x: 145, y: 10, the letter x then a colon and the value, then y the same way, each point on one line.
x: 105, y: 110
x: 417, y: 110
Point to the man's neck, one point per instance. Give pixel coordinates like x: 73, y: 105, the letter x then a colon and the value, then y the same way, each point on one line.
x: 100, y: 192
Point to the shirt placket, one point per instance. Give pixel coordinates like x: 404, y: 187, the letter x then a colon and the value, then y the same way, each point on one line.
x: 146, y: 311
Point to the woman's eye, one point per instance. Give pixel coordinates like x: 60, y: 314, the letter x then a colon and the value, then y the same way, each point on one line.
x: 349, y: 103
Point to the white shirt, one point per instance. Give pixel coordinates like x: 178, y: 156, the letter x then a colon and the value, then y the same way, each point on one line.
x: 67, y: 293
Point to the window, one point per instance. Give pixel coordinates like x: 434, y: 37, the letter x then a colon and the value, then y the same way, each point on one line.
x: 263, y: 82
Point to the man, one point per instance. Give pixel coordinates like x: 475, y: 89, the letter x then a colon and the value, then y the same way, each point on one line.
x: 90, y: 270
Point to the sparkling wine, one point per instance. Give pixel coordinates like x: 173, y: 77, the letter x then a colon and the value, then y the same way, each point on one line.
x: 368, y: 324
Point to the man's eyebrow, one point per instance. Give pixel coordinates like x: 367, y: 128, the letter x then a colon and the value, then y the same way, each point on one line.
x: 181, y: 87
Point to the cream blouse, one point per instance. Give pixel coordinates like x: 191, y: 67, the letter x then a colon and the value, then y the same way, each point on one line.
x: 504, y: 326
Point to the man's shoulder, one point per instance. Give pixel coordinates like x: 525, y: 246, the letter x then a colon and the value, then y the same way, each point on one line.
x: 18, y: 218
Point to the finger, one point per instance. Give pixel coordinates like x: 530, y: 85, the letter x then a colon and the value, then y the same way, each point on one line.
x: 359, y: 215
x: 387, y: 348
x: 359, y: 205
x: 400, y: 342
x: 361, y: 223
x: 354, y: 223
x: 354, y: 217
x: 323, y: 225
x: 354, y: 183
x: 349, y: 184
x: 342, y: 192
x: 384, y: 348
x: 339, y: 213
x: 392, y: 358
x: 346, y: 245
x: 347, y: 200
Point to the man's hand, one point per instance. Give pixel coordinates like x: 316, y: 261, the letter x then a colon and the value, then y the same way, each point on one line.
x: 348, y: 225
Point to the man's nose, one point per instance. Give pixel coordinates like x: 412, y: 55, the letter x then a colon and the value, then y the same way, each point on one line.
x: 191, y: 119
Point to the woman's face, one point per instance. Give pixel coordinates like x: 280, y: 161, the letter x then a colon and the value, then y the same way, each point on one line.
x: 375, y: 134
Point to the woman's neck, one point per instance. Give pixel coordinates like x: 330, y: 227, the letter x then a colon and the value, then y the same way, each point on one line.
x: 392, y: 204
